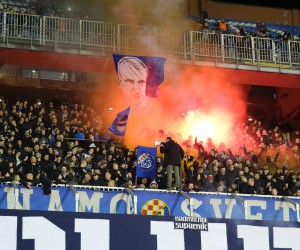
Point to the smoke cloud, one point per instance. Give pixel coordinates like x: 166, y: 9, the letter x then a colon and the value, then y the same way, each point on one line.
x: 159, y: 13
x: 193, y: 101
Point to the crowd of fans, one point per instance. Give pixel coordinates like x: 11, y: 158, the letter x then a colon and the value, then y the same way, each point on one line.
x: 11, y: 9
x: 35, y: 148
x: 262, y: 30
x: 238, y: 37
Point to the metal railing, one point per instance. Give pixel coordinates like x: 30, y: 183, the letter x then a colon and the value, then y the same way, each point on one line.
x: 60, y: 30
x: 138, y: 38
x: 41, y: 32
x: 21, y: 26
x: 132, y: 197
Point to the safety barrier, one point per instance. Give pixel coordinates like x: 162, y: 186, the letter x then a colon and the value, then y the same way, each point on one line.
x: 48, y: 31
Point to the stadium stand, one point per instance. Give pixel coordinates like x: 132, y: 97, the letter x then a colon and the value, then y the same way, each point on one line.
x: 66, y: 31
x: 251, y: 27
x: 58, y: 157
x: 40, y: 143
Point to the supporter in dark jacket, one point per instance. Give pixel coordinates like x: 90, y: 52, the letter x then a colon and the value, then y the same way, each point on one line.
x: 189, y: 173
x: 220, y: 176
x: 173, y: 155
x: 243, y: 186
x: 208, y: 184
x: 33, y: 167
x: 190, y: 188
x: 252, y: 188
x: 29, y: 180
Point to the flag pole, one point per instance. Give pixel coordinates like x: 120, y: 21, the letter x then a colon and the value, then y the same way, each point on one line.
x: 126, y: 165
x: 125, y: 161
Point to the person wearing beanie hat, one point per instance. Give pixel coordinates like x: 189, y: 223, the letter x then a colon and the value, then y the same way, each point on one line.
x: 153, y: 185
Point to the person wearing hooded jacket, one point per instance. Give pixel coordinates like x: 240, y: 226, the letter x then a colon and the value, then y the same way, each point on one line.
x: 173, y: 155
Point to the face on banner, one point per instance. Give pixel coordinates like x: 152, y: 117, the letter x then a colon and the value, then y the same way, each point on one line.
x: 133, y: 75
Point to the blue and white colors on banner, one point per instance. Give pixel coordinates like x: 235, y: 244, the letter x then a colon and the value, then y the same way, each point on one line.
x: 149, y: 203
x: 146, y: 162
x: 118, y: 126
x: 155, y: 66
x: 43, y: 230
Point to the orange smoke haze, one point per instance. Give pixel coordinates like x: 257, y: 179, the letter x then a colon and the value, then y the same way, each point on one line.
x: 159, y: 13
x: 195, y: 101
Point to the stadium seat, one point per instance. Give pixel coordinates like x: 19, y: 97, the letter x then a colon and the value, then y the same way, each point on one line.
x: 250, y: 26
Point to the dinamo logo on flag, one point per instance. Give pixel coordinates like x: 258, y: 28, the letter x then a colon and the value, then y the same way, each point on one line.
x: 155, y: 207
x: 146, y: 162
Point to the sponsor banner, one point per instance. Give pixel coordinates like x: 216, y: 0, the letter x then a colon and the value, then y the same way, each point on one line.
x: 43, y: 230
x: 150, y: 203
x: 192, y: 223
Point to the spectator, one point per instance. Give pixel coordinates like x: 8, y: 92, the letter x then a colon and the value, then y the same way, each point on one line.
x: 221, y: 175
x: 217, y: 26
x: 29, y: 180
x: 205, y: 31
x: 208, y: 184
x: 173, y: 154
x: 252, y: 188
x: 33, y: 167
x: 189, y: 172
x: 297, y: 193
x: 161, y: 177
x: 243, y: 185
x: 153, y: 185
x: 274, y: 191
x: 62, y: 178
x: 25, y: 149
x: 86, y: 179
x: 111, y: 183
x: 261, y: 27
x: 199, y: 178
x: 222, y: 188
x: 190, y: 188
x: 241, y: 30
x: 16, y: 179
x: 223, y: 26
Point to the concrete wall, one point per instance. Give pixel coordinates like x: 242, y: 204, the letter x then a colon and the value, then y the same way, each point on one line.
x: 289, y: 101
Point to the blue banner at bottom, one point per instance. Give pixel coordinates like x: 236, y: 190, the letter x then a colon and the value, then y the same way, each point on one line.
x: 42, y: 230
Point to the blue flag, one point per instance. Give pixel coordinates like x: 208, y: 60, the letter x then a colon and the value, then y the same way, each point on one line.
x: 146, y: 162
x: 153, y: 67
x: 118, y: 127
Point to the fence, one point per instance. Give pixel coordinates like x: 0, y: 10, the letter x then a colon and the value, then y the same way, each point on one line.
x: 21, y: 26
x: 99, y: 199
x: 47, y: 31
